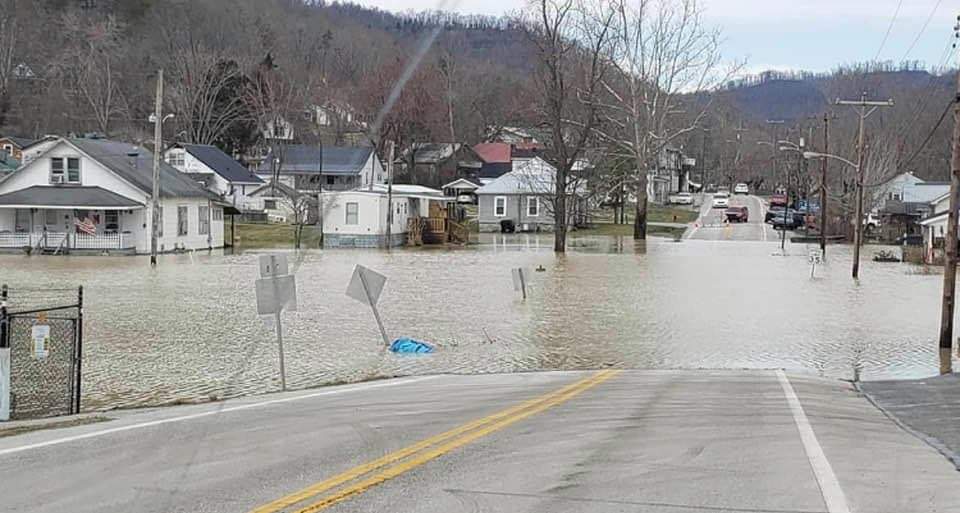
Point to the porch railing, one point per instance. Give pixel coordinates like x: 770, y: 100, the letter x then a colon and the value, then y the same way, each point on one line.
x: 61, y: 240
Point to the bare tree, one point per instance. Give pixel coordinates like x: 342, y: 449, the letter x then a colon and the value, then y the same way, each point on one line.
x: 573, y: 39
x: 665, y: 54
x: 89, y: 62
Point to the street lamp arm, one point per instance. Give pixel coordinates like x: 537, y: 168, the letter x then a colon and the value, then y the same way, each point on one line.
x: 817, y: 155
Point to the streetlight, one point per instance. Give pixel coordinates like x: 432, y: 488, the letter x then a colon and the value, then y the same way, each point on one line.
x: 858, y: 224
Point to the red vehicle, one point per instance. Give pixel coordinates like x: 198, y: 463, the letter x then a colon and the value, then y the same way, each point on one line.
x: 737, y: 214
x: 778, y: 200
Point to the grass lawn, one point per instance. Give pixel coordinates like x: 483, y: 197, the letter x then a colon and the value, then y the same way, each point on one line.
x: 655, y: 214
x: 626, y: 230
x: 271, y: 236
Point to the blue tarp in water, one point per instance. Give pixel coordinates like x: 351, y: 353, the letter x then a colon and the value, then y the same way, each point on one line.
x: 408, y: 345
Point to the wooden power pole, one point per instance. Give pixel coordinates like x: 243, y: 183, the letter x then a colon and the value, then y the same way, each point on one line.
x: 863, y: 105
x: 950, y: 265
x: 823, y: 187
x: 390, y: 150
x: 157, y: 145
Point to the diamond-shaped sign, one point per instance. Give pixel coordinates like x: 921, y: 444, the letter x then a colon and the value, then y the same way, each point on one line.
x: 366, y: 285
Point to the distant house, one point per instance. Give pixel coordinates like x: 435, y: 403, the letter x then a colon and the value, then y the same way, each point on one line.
x: 13, y: 146
x: 337, y: 123
x: 903, y: 201
x: 219, y: 172
x: 934, y: 228
x: 358, y: 218
x: 523, y: 197
x: 671, y: 175
x: 308, y: 168
x: 496, y: 158
x: 434, y: 164
x: 94, y: 195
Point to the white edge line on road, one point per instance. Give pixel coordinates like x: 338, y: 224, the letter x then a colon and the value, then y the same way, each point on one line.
x: 830, y: 489
x: 218, y: 411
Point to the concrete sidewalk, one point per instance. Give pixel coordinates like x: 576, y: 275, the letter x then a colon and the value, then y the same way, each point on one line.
x: 652, y: 441
x: 929, y: 407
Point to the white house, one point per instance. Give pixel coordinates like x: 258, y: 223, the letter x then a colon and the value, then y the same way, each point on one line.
x: 94, y: 195
x: 358, y: 218
x: 935, y: 228
x: 225, y: 176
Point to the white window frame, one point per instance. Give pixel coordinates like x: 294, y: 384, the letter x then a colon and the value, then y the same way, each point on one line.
x: 177, y: 159
x: 203, y: 220
x: 183, y: 220
x: 218, y: 214
x: 64, y: 171
x: 533, y: 201
x: 356, y: 213
x: 497, y: 207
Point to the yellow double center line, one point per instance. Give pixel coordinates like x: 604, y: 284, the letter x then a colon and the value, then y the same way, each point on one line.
x: 403, y: 460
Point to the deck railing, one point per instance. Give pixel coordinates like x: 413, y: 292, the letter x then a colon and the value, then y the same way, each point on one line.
x: 61, y: 240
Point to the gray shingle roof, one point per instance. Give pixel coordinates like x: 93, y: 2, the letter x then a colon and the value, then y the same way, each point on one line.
x: 221, y: 163
x: 135, y: 165
x: 301, y: 159
x: 67, y: 196
x: 22, y: 142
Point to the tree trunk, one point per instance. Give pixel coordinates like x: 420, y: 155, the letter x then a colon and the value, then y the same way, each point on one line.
x: 640, y: 219
x: 560, y: 213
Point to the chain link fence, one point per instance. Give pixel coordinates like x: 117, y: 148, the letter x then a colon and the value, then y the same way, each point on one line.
x: 44, y: 344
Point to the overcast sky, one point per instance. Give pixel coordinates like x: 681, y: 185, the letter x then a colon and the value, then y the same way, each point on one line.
x: 812, y: 35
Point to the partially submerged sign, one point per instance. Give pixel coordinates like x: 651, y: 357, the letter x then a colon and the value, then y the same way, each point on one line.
x: 276, y: 294
x: 273, y: 265
x: 366, y: 285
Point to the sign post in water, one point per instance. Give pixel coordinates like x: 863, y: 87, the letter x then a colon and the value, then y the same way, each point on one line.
x: 276, y: 291
x: 365, y: 286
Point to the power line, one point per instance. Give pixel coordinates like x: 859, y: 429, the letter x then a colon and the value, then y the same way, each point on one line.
x: 922, y: 30
x: 930, y: 135
x: 889, y: 28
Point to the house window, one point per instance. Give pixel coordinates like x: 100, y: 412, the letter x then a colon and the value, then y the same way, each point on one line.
x: 500, y: 206
x: 203, y: 218
x: 895, y: 196
x: 176, y: 159
x: 8, y: 148
x: 218, y: 214
x: 183, y: 223
x: 533, y: 206
x: 51, y: 217
x: 64, y: 170
x: 353, y: 213
x: 269, y: 204
x: 111, y: 221
x: 331, y: 180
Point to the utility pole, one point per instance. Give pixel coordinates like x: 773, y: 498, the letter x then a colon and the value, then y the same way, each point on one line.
x: 786, y: 210
x: 823, y: 187
x: 953, y: 224
x: 863, y: 105
x: 157, y: 144
x: 389, y: 192
x: 320, y: 194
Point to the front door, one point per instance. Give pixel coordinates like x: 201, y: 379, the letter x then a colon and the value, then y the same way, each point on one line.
x: 22, y: 220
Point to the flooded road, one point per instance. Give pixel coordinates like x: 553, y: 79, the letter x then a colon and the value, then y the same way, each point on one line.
x: 189, y: 329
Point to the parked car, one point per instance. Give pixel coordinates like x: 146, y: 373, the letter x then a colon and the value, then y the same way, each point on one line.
x: 465, y: 198
x: 871, y: 221
x: 741, y: 188
x: 787, y: 220
x: 721, y: 200
x: 737, y: 214
x: 681, y: 198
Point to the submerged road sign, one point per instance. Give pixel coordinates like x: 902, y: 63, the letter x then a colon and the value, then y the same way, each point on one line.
x: 366, y: 286
x: 276, y: 292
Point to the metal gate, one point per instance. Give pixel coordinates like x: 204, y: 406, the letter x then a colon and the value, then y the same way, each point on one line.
x: 45, y: 344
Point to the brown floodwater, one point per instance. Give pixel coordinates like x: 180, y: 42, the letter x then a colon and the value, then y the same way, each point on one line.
x: 189, y: 330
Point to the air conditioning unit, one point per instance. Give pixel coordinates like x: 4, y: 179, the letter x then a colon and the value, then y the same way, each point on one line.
x: 57, y: 179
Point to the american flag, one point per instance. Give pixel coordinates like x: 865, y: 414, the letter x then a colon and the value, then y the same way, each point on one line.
x: 85, y: 225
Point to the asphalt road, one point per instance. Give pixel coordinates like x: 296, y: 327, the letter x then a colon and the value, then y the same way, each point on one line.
x: 711, y: 225
x: 651, y: 441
